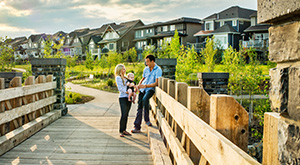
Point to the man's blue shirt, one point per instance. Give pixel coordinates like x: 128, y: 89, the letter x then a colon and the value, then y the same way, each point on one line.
x: 151, y: 76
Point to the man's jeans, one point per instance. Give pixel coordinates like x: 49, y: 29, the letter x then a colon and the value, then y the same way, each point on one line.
x: 143, y: 103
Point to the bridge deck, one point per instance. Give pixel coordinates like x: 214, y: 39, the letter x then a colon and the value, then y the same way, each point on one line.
x: 87, y: 135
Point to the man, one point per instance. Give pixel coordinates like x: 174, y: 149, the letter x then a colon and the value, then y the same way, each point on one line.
x: 147, y: 88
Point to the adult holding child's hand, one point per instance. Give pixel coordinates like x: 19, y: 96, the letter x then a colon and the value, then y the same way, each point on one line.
x: 125, y: 105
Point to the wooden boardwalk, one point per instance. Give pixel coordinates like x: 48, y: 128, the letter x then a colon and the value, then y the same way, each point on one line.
x: 87, y: 135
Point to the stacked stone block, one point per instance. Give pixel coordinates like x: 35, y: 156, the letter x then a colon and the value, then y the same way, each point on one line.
x: 57, y: 68
x: 8, y: 76
x: 284, y: 49
x: 168, y: 66
x: 214, y: 83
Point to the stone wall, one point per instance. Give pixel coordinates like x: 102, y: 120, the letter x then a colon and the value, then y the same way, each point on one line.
x: 57, y: 68
x: 284, y: 49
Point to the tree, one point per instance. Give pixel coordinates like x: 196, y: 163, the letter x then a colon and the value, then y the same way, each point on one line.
x: 113, y: 59
x: 186, y: 63
x: 208, y: 53
x: 89, y: 63
x: 174, y: 46
x: 6, y: 54
x: 148, y: 50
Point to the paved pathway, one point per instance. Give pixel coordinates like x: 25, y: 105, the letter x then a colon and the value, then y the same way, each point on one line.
x: 87, y: 135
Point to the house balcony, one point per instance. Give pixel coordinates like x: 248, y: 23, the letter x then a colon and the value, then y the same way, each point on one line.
x: 258, y: 44
x: 197, y: 46
x: 95, y: 51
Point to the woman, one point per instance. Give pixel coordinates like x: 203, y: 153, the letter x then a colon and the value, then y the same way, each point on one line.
x: 123, y: 98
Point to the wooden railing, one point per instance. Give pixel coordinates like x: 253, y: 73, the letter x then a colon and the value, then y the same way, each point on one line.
x: 22, y: 107
x: 198, y: 128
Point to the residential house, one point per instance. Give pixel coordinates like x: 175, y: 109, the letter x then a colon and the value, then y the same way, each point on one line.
x: 19, y: 49
x: 73, y: 44
x: 119, y: 37
x: 58, y: 38
x: 159, y: 32
x: 91, y: 39
x: 258, y: 34
x: 36, y: 45
x: 226, y: 26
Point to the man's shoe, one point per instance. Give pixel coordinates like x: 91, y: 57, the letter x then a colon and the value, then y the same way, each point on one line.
x: 149, y: 123
x: 135, y: 131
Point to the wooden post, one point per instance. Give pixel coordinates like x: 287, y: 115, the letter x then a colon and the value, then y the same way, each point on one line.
x: 2, y: 107
x: 2, y: 86
x: 30, y: 98
x: 160, y: 82
x: 165, y: 84
x: 181, y: 97
x: 270, y: 145
x: 181, y: 93
x: 199, y: 103
x: 41, y: 79
x: 171, y: 88
x: 17, y: 102
x: 49, y: 78
x: 229, y: 118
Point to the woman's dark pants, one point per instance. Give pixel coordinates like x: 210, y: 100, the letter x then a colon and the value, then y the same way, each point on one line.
x: 125, y: 108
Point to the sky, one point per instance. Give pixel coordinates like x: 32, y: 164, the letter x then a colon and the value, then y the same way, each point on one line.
x: 25, y: 17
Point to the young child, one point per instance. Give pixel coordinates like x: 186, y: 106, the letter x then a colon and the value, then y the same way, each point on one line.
x: 131, y: 87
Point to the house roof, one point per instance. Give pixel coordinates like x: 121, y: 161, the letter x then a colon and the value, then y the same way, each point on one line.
x: 34, y: 37
x: 253, y: 14
x: 225, y: 29
x: 232, y: 12
x: 182, y: 20
x: 148, y: 26
x: 168, y: 34
x: 121, y: 29
x: 203, y: 33
x: 16, y: 41
x: 258, y: 28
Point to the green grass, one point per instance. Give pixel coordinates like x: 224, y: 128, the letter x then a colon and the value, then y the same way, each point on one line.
x: 77, y: 98
x: 100, y: 84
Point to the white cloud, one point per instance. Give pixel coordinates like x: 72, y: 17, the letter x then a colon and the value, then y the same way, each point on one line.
x: 12, y: 11
x: 7, y: 28
x: 116, y: 12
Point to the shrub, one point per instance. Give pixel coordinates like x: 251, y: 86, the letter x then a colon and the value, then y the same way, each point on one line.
x: 110, y: 82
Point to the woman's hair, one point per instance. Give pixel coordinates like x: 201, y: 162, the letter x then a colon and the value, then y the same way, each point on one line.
x: 118, y: 71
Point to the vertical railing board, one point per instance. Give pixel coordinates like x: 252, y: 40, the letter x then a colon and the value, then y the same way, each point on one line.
x: 270, y: 139
x: 31, y: 98
x: 2, y: 107
x: 171, y: 88
x: 199, y: 103
x: 16, y: 102
x: 181, y: 93
x: 229, y: 118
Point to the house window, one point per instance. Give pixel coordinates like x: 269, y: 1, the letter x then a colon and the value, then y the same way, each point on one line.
x: 125, y: 43
x: 172, y: 27
x: 111, y: 46
x: 233, y: 22
x: 222, y: 40
x: 209, y: 26
x: 139, y: 33
x: 76, y: 40
x: 165, y: 28
x: 150, y: 30
x: 241, y: 22
x: 168, y: 39
x: 221, y: 23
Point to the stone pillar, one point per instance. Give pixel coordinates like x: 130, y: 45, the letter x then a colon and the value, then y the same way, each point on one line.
x: 57, y: 68
x: 284, y: 49
x: 213, y: 83
x: 168, y: 67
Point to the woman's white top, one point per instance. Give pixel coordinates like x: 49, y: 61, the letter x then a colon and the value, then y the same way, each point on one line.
x: 121, y: 87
